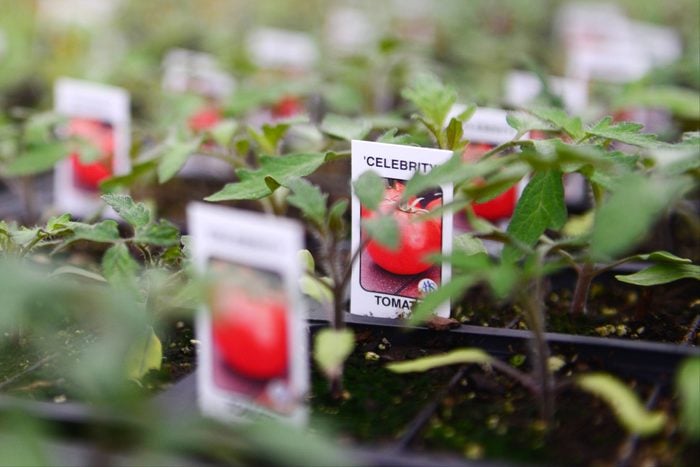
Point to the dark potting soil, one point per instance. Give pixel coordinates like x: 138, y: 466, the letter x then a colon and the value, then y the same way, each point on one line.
x: 482, y: 414
x: 661, y: 313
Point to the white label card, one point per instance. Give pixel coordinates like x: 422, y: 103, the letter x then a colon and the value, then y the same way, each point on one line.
x: 522, y: 89
x: 281, y: 49
x: 253, y: 359
x: 100, y: 115
x: 386, y: 283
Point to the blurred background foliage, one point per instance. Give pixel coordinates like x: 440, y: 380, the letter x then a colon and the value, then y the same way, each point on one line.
x: 472, y: 44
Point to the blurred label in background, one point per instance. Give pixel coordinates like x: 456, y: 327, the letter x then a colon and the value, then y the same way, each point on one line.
x: 86, y: 13
x: 602, y: 43
x: 349, y: 31
x: 281, y: 49
x: 197, y: 72
x: 523, y: 88
x: 3, y: 44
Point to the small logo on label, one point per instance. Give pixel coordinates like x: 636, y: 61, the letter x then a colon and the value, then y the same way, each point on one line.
x: 425, y: 286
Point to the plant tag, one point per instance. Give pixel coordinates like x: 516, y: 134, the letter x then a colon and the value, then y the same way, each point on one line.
x: 522, y: 88
x: 252, y: 358
x: 3, y: 44
x: 486, y: 126
x: 99, y: 118
x: 199, y: 73
x: 281, y: 49
x: 387, y: 282
x: 602, y: 43
x: 349, y: 31
x: 485, y: 130
x: 196, y: 72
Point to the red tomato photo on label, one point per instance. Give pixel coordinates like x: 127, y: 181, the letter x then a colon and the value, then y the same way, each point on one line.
x: 503, y: 205
x: 249, y: 322
x: 88, y: 175
x: 250, y: 332
x: 287, y: 107
x: 204, y: 119
x: 399, y: 271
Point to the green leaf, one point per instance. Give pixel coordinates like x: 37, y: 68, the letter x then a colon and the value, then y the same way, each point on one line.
x: 688, y: 389
x: 274, y: 133
x: 76, y: 271
x: 38, y: 127
x: 174, y: 156
x: 106, y: 231
x: 383, y: 229
x: 624, y: 403
x: 682, y: 102
x: 467, y: 244
x: 369, y: 189
x: 557, y: 117
x: 497, y: 183
x: 124, y: 181
x: 309, y: 285
x: 346, y: 128
x: 336, y: 217
x: 459, y: 356
x: 451, y: 171
x: 631, y: 210
x: 390, y: 137
x: 59, y: 224
x: 223, y: 131
x: 145, y: 354
x: 331, y: 348
x: 625, y: 132
x: 540, y: 207
x: 578, y: 226
x: 273, y: 172
x: 523, y: 122
x: 306, y: 259
x: 662, y: 273
x: 136, y: 214
x: 660, y: 257
x: 453, y: 290
x: 37, y: 158
x: 454, y: 133
x: 162, y: 234
x: 277, y: 442
x: 118, y: 267
x: 309, y: 199
x: 467, y: 113
x: 502, y: 278
x: 432, y: 98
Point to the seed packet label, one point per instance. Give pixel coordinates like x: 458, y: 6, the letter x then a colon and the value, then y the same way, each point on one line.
x: 386, y: 283
x: 252, y: 357
x: 271, y: 48
x: 99, y: 115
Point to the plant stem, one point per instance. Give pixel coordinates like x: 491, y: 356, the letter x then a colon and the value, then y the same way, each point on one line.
x: 500, y: 147
x: 539, y: 349
x: 585, y: 275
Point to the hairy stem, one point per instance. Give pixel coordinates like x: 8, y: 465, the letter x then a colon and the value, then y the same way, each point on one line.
x: 539, y: 348
x: 585, y: 275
